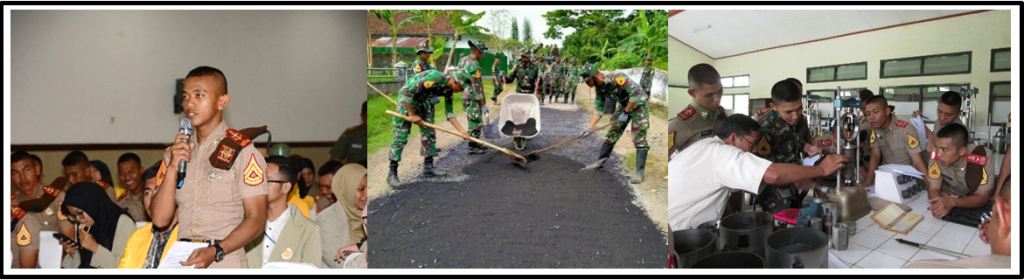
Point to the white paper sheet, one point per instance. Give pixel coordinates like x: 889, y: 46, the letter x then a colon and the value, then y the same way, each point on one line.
x: 50, y: 250
x: 179, y: 252
x: 903, y: 169
x: 811, y: 160
x: 288, y: 265
x: 922, y: 137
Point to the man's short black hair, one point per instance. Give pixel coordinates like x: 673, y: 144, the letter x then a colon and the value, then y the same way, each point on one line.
x: 739, y: 124
x: 364, y: 108
x: 329, y: 167
x: 703, y: 74
x: 39, y: 161
x: 865, y: 94
x: 129, y: 156
x: 952, y: 99
x: 795, y: 81
x: 285, y: 167
x: 203, y: 71
x: 785, y: 91
x: 877, y: 99
x: 954, y: 131
x: 20, y: 156
x: 75, y: 158
x: 151, y: 171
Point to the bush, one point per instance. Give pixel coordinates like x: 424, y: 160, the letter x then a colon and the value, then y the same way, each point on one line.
x: 621, y: 60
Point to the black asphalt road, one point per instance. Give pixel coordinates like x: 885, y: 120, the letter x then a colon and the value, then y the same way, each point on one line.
x: 490, y: 213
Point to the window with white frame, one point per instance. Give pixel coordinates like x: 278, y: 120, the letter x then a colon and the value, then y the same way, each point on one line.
x: 736, y: 81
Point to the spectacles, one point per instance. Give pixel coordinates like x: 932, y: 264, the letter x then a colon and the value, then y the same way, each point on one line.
x: 75, y: 217
x: 748, y: 141
x: 277, y: 181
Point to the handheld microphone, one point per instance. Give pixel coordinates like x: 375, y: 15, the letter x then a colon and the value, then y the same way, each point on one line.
x: 186, y: 128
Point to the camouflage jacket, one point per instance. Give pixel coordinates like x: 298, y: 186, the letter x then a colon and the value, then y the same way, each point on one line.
x: 620, y: 88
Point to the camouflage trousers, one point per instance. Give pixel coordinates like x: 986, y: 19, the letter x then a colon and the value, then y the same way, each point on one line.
x: 545, y: 89
x: 428, y: 137
x: 474, y: 117
x: 498, y: 88
x: 638, y: 119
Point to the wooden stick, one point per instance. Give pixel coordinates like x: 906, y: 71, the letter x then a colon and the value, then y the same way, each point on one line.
x: 478, y: 141
x: 571, y: 139
x: 382, y: 93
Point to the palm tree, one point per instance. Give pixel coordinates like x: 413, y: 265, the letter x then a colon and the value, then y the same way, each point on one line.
x: 389, y: 17
x: 464, y: 23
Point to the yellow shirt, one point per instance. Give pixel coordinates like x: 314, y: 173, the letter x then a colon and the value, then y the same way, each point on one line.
x: 138, y: 246
x: 304, y: 204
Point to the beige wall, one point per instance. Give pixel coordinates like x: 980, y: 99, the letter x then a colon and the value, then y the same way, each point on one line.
x: 109, y: 76
x: 979, y: 33
x: 681, y: 58
x: 52, y: 159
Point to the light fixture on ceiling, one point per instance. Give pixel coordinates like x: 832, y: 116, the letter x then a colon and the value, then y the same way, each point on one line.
x: 702, y: 28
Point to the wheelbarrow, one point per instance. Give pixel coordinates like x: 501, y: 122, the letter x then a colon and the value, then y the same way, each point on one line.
x: 519, y: 118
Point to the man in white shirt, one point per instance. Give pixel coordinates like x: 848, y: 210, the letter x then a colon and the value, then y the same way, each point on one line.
x: 288, y: 236
x: 701, y: 176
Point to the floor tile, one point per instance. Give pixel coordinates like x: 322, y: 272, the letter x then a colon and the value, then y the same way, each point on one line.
x: 976, y: 241
x: 852, y: 254
x: 876, y: 229
x: 864, y: 223
x: 880, y: 260
x: 930, y: 255
x: 927, y: 228
x: 896, y: 249
x: 974, y: 251
x: 957, y: 232
x: 868, y: 240
x: 947, y: 244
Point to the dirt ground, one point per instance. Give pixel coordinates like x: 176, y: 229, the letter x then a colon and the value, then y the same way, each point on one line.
x: 559, y: 121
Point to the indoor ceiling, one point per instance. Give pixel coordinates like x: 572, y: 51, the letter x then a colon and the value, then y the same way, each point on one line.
x: 724, y: 33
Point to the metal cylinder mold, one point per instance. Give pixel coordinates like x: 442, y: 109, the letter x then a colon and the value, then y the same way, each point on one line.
x: 746, y: 232
x: 692, y: 245
x: 797, y: 248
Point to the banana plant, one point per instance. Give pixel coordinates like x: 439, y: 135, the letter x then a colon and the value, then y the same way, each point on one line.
x: 464, y: 23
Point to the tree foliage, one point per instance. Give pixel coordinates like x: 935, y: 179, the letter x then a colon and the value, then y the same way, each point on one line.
x: 609, y: 37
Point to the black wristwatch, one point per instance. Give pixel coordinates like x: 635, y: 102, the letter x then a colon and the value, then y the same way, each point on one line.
x: 220, y: 253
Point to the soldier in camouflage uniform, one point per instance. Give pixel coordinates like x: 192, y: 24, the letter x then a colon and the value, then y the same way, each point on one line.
x: 557, y: 75
x: 545, y: 83
x: 525, y: 73
x: 781, y: 142
x: 423, y: 56
x: 414, y: 101
x: 631, y: 97
x: 473, y: 97
x: 647, y: 76
x: 574, y: 80
x: 498, y: 77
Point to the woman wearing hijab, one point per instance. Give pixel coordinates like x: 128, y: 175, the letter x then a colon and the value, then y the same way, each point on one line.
x: 341, y: 223
x: 355, y: 258
x: 103, y: 227
x: 101, y: 175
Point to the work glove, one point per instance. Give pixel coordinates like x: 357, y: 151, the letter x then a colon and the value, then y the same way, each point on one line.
x: 434, y: 100
x: 586, y: 132
x: 624, y: 117
x: 486, y: 111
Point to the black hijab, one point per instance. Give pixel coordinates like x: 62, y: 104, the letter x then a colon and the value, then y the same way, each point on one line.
x: 91, y: 198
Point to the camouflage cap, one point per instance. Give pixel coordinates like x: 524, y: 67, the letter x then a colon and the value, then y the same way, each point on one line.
x: 588, y: 71
x: 424, y: 48
x: 479, y: 45
x: 525, y: 52
x: 650, y: 58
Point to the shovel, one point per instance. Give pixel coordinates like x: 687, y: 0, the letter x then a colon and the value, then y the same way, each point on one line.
x: 534, y: 155
x: 519, y: 160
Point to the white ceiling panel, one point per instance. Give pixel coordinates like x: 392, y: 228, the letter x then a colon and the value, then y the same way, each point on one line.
x: 721, y: 33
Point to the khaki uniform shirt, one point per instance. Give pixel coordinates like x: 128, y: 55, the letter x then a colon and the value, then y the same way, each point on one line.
x: 954, y: 177
x: 986, y: 261
x: 935, y: 130
x: 334, y: 234
x: 51, y: 218
x: 299, y: 242
x: 897, y: 143
x: 691, y: 125
x: 106, y: 257
x: 825, y: 142
x: 24, y: 238
x: 210, y: 200
x: 133, y: 203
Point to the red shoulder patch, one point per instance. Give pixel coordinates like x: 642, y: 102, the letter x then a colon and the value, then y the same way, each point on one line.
x: 51, y: 190
x: 824, y: 142
x: 17, y: 212
x: 901, y: 123
x: 102, y: 184
x: 238, y: 138
x: 13, y: 196
x: 977, y: 159
x: 763, y: 111
x: 687, y: 113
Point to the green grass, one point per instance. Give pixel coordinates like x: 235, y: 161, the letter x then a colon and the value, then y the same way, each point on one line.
x: 380, y: 80
x: 657, y: 110
x: 379, y: 128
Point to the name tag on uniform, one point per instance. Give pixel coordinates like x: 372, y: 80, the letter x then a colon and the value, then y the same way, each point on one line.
x: 705, y: 133
x: 357, y: 146
x: 944, y: 176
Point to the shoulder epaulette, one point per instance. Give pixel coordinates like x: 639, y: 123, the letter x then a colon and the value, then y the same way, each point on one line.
x: 763, y: 111
x: 686, y: 113
x: 227, y: 150
x: 51, y: 190
x: 901, y: 123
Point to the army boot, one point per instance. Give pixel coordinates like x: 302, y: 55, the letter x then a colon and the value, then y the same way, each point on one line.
x: 428, y: 168
x: 606, y: 151
x: 641, y: 161
x: 393, y: 176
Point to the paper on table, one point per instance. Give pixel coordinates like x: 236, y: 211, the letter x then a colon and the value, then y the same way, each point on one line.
x: 50, y: 250
x: 811, y: 160
x: 179, y: 252
x: 903, y: 169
